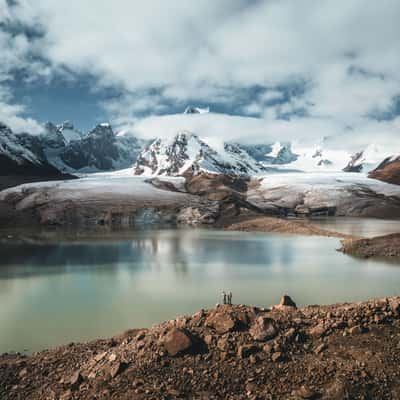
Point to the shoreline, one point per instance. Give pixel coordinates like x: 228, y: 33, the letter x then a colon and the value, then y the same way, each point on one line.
x: 268, y: 224
x: 381, y: 246
x: 325, y: 352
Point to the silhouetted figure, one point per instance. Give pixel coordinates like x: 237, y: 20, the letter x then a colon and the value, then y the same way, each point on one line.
x: 223, y: 298
x: 230, y: 298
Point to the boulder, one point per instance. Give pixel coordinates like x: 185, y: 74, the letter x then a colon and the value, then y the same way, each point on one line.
x: 287, y: 301
x: 222, y: 322
x: 177, y: 341
x: 264, y: 328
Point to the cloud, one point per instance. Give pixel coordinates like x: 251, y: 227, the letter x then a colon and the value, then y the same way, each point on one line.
x: 13, y: 115
x: 246, y: 56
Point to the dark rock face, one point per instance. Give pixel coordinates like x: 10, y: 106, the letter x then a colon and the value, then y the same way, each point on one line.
x: 22, y: 159
x: 260, y: 152
x: 388, y: 171
x: 53, y: 138
x: 355, y: 164
x: 285, y: 155
x: 97, y: 150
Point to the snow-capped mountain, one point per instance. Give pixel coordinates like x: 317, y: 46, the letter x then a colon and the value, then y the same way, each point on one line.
x: 20, y: 149
x: 57, y: 136
x: 196, y: 110
x: 367, y: 159
x: 22, y: 155
x: 271, y: 154
x: 186, y: 152
x: 98, y: 150
x: 356, y: 163
x: 101, y: 150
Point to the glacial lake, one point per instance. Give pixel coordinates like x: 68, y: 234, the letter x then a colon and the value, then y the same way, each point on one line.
x: 58, y: 288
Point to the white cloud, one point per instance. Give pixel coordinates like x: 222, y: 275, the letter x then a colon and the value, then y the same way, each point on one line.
x: 158, y: 52
x: 11, y: 114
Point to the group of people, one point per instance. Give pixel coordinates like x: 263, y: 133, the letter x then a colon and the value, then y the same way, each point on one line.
x: 227, y: 298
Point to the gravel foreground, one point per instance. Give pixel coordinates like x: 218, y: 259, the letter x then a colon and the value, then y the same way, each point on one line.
x: 346, y: 351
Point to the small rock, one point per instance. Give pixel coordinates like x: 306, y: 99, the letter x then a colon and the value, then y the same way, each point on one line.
x: 177, y: 341
x: 355, y: 330
x: 208, y: 339
x: 23, y: 373
x: 112, y: 357
x: 305, y: 393
x: 263, y: 329
x: 117, y: 369
x: 253, y: 359
x: 222, y: 344
x: 394, y: 305
x: 277, y: 356
x: 318, y: 330
x: 66, y: 395
x: 337, y: 390
x: 75, y: 380
x: 246, y: 350
x: 100, y: 356
x: 92, y: 375
x: 320, y: 348
x: 290, y: 334
x: 267, y: 348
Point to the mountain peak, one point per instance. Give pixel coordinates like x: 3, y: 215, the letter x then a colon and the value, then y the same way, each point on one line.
x: 186, y: 152
x: 66, y: 125
x: 196, y: 110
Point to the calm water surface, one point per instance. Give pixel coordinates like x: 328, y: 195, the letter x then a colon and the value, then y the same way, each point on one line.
x: 54, y: 290
x: 365, y: 227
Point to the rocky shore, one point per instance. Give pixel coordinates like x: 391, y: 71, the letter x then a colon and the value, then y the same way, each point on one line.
x: 345, y: 351
x: 381, y: 246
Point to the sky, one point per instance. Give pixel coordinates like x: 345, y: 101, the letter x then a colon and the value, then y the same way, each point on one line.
x: 269, y: 70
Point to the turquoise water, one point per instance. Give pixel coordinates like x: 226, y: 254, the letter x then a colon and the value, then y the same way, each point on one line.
x: 54, y: 290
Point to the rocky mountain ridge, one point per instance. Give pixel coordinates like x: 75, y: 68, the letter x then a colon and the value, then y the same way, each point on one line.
x: 68, y: 150
x: 187, y: 153
x: 22, y: 155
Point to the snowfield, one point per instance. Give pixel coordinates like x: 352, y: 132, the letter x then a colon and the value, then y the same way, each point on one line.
x: 101, y: 186
x: 350, y: 194
x: 122, y: 195
x: 327, y: 181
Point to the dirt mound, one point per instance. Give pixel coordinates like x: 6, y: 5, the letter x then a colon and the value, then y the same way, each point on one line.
x: 239, y: 352
x: 278, y: 225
